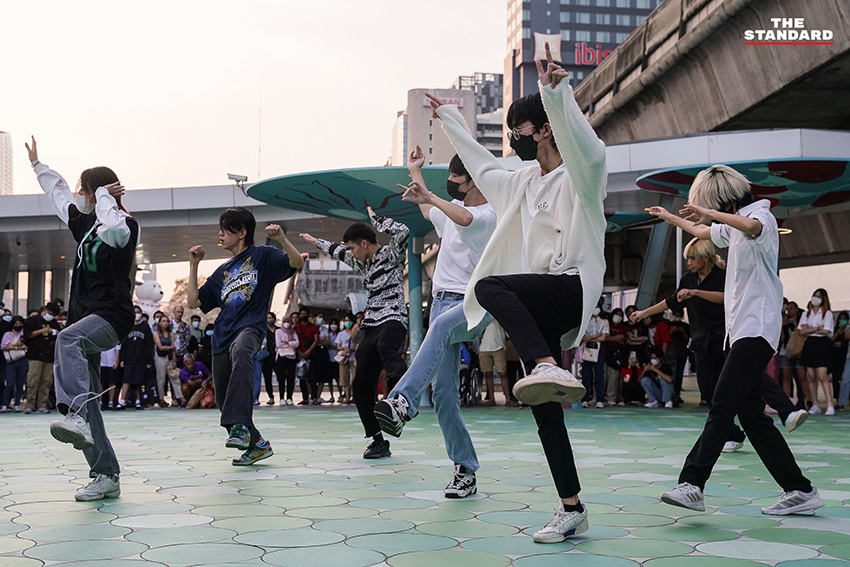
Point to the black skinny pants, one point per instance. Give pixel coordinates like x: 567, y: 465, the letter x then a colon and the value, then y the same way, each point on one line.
x: 535, y: 310
x: 379, y: 350
x: 285, y: 370
x: 739, y: 392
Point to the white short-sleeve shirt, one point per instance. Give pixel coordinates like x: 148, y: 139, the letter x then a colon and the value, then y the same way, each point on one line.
x: 597, y: 325
x: 460, y: 246
x: 493, y: 338
x: 753, y: 294
x: 819, y: 318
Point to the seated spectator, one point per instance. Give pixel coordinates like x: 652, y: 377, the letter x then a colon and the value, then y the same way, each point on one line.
x: 656, y: 379
x: 192, y: 375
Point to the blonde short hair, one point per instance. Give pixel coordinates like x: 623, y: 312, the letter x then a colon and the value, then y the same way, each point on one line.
x: 720, y: 188
x: 704, y: 249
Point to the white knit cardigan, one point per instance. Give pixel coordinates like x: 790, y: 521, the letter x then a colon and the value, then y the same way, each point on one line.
x: 572, y: 241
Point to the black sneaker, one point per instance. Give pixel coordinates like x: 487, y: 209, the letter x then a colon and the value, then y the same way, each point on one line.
x: 392, y: 415
x: 377, y: 450
x: 462, y: 484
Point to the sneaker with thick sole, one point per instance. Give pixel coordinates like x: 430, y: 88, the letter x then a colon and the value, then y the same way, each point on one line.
x: 685, y: 495
x: 103, y: 486
x: 795, y: 419
x: 73, y: 429
x: 262, y: 450
x: 814, y: 410
x: 377, y: 450
x: 795, y: 502
x: 462, y: 483
x: 562, y: 525
x: 830, y: 410
x: 732, y: 446
x: 392, y: 414
x: 240, y: 438
x: 548, y: 383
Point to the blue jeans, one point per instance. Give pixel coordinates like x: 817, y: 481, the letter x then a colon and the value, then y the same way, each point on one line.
x: 439, y: 360
x: 16, y: 377
x: 662, y: 393
x: 844, y: 392
x: 76, y: 374
x: 593, y: 376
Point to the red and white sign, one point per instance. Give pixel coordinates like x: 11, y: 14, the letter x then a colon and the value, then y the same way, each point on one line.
x: 455, y: 101
x: 588, y: 56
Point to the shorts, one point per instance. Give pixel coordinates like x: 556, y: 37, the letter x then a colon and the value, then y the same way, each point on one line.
x: 134, y: 374
x: 795, y: 362
x: 488, y: 359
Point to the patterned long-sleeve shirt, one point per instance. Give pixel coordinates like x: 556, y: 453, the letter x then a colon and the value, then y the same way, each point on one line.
x: 384, y: 273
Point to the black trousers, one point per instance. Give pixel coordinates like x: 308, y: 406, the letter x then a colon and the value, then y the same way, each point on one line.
x: 285, y: 370
x: 233, y: 379
x: 379, y: 350
x: 535, y: 310
x: 739, y: 392
x: 268, y: 368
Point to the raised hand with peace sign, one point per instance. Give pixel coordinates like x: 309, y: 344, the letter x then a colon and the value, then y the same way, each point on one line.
x: 553, y: 74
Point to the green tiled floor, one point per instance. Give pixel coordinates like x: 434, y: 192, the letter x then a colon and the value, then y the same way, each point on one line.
x: 316, y: 501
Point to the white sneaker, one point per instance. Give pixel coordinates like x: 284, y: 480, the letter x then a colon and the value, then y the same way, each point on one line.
x: 73, y: 429
x: 562, y: 525
x: 668, y: 404
x: 103, y: 486
x: 548, y: 383
x: 289, y: 402
x: 794, y: 502
x: 732, y: 446
x: 4, y: 409
x: 795, y: 419
x: 392, y: 414
x: 17, y: 409
x: 599, y: 405
x: 814, y: 410
x: 652, y: 404
x: 462, y: 484
x: 282, y: 402
x: 685, y: 495
x: 830, y: 410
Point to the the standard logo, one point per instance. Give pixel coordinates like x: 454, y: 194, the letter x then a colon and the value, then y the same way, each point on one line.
x: 240, y: 283
x: 788, y: 31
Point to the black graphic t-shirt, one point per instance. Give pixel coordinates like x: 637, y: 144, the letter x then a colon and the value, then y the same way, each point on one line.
x: 101, y: 283
x: 243, y: 288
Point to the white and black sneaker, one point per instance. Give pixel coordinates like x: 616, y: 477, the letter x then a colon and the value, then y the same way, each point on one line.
x: 103, y: 486
x: 795, y: 419
x: 392, y: 414
x: 73, y: 429
x: 795, y: 502
x: 732, y: 446
x: 562, y: 525
x: 462, y: 484
x: 685, y: 495
x: 548, y: 383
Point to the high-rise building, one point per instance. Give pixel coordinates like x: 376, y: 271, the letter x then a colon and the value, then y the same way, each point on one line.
x: 6, y: 164
x: 589, y: 31
x: 489, y: 117
x: 414, y: 125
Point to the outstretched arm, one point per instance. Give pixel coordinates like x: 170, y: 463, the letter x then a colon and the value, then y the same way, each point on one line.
x: 53, y: 184
x: 420, y: 195
x: 336, y: 250
x: 397, y: 231
x: 747, y: 225
x: 701, y: 231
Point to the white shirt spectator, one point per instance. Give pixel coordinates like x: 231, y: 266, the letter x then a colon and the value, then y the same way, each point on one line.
x: 493, y: 338
x: 819, y: 318
x: 460, y: 246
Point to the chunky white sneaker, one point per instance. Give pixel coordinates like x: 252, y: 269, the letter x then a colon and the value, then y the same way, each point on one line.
x: 282, y: 402
x: 548, y: 383
x: 392, y: 414
x: 652, y: 404
x: 685, y: 495
x: 599, y: 405
x: 830, y: 410
x: 289, y: 402
x: 668, y: 404
x: 103, y: 486
x: 562, y: 525
x: 795, y: 419
x: 814, y: 410
x: 462, y: 484
x: 732, y: 446
x: 795, y: 502
x: 73, y: 429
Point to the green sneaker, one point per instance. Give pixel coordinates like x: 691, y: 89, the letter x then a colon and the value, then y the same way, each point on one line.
x: 262, y: 450
x: 240, y: 438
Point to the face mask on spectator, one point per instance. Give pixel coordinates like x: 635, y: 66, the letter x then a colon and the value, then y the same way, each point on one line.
x: 7, y: 318
x: 287, y: 325
x: 334, y: 327
x: 655, y: 362
x: 816, y: 301
x: 842, y: 321
x: 348, y: 324
x: 196, y: 324
x: 48, y: 317
x: 596, y: 312
x: 18, y: 328
x: 320, y: 321
x: 210, y: 333
x: 617, y: 319
x: 138, y: 317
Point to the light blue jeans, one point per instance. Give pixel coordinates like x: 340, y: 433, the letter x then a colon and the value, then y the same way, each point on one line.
x: 661, y: 394
x: 438, y: 360
x: 844, y: 392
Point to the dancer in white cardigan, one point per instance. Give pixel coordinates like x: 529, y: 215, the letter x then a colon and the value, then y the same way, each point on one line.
x: 541, y: 273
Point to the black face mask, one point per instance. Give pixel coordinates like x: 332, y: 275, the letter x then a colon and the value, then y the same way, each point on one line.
x: 525, y: 147
x: 18, y: 329
x: 453, y: 189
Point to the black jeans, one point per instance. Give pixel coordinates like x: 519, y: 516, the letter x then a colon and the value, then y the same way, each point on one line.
x: 379, y: 350
x: 709, y: 366
x: 268, y: 368
x: 739, y: 392
x: 285, y: 370
x: 233, y: 378
x: 535, y: 310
